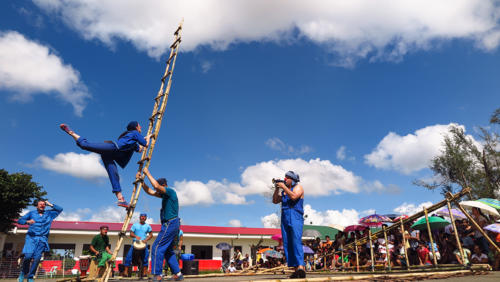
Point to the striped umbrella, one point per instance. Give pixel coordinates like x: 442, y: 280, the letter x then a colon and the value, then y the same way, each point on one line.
x: 403, y: 217
x: 490, y: 202
x: 457, y: 214
x: 356, y: 227
x: 495, y: 227
x: 374, y: 220
x: 483, y: 207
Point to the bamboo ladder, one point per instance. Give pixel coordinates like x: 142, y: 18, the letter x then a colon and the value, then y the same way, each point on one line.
x: 154, y: 128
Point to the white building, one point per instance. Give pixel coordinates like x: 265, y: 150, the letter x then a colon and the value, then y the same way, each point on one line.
x: 198, y: 240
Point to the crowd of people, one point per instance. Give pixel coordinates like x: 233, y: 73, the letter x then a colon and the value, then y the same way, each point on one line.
x: 413, y: 248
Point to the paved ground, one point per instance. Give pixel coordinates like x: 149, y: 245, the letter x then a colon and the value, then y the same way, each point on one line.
x: 493, y: 276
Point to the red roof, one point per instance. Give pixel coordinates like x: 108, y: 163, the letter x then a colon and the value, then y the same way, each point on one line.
x: 94, y: 226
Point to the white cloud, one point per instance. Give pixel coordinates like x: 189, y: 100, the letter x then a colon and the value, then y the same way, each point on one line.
x: 410, y: 209
x: 341, y: 153
x: 318, y: 177
x: 104, y: 214
x: 235, y: 223
x: 115, y: 214
x: 28, y: 68
x: 345, y: 217
x: 270, y: 221
x: 85, y: 166
x: 77, y: 215
x: 352, y: 30
x: 412, y: 152
x: 278, y: 145
x: 206, y: 66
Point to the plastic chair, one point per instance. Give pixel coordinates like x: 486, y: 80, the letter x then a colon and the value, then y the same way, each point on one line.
x: 53, y: 271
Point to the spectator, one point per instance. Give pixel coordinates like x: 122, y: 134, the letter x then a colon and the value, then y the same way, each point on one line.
x: 482, y: 221
x: 316, y: 244
x: 458, y: 255
x: 423, y: 254
x: 231, y: 268
x: 479, y: 256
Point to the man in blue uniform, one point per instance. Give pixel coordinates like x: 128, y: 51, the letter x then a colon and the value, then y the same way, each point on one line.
x: 36, y: 241
x: 113, y: 153
x: 292, y: 221
x: 140, y: 231
x: 169, y: 214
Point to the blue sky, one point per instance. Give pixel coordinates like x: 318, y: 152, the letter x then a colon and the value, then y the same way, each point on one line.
x: 355, y: 98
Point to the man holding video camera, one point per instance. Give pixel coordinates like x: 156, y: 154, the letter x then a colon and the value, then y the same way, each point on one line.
x: 292, y: 221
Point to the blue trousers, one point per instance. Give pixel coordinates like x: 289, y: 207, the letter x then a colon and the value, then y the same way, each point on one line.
x: 292, y: 223
x: 163, y: 248
x: 128, y: 258
x: 36, y: 248
x: 107, y: 152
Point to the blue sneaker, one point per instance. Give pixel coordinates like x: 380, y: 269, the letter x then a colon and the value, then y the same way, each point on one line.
x: 21, y: 276
x: 31, y: 280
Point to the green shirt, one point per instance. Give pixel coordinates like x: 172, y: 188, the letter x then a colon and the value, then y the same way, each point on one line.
x: 169, y: 205
x: 100, y: 242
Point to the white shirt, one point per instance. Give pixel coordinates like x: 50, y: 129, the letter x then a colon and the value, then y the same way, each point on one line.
x: 231, y: 269
x: 479, y: 258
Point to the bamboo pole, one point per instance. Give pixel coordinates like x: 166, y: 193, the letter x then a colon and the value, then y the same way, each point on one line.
x: 459, y: 245
x: 341, y: 257
x: 478, y: 228
x: 357, y: 256
x: 371, y: 248
x: 387, y: 252
x: 434, y: 259
x: 404, y: 243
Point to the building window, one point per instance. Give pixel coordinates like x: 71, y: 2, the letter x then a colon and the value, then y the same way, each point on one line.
x: 202, y: 252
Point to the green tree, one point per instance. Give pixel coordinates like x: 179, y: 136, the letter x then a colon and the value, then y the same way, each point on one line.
x: 465, y: 162
x: 17, y: 191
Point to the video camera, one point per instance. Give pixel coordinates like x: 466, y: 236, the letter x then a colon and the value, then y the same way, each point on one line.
x: 275, y: 181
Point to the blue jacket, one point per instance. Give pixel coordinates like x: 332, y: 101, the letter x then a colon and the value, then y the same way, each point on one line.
x: 127, y: 144
x: 42, y: 224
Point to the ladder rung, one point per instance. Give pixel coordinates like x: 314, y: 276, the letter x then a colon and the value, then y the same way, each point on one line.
x: 159, y: 96
x: 171, y: 57
x: 175, y: 43
x: 143, y: 160
x: 166, y: 75
x: 178, y: 29
x: 138, y: 180
x: 154, y: 115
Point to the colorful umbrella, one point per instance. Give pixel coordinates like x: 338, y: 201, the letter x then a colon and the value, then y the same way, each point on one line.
x: 392, y: 216
x: 264, y: 250
x: 307, y: 250
x: 483, y: 207
x: 356, y: 227
x: 495, y: 227
x: 490, y: 202
x: 435, y: 222
x: 223, y: 246
x: 277, y: 237
x: 374, y: 220
x: 273, y: 254
x: 457, y: 214
x: 403, y: 217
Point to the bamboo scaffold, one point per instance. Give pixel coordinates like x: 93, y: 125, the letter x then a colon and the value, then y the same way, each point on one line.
x: 160, y: 103
x: 450, y: 198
